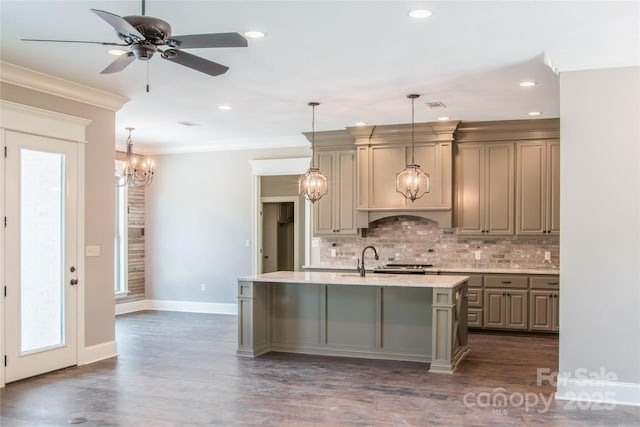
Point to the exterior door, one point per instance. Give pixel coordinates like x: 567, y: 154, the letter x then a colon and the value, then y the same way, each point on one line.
x: 40, y: 254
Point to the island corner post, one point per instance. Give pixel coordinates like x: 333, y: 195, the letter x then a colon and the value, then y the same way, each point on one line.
x: 394, y: 318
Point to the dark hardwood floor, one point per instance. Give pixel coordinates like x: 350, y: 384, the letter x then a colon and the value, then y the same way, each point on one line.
x: 180, y: 369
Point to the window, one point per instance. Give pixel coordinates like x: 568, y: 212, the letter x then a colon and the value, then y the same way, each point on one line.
x: 120, y: 277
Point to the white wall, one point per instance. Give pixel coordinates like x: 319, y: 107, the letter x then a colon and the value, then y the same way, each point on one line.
x: 600, y: 241
x: 198, y: 218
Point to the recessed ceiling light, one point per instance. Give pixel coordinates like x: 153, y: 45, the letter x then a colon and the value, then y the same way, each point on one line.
x: 360, y: 124
x: 534, y: 113
x: 444, y: 118
x: 255, y: 34
x: 224, y: 107
x: 420, y: 13
x: 117, y: 52
x: 528, y: 84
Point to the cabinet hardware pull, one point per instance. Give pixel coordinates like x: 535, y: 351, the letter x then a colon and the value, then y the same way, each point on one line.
x: 552, y: 283
x: 506, y: 282
x: 551, y: 296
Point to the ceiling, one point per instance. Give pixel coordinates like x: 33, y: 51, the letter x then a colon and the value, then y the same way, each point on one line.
x: 359, y: 59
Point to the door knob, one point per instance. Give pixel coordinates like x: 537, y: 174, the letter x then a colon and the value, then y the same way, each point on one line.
x: 73, y: 282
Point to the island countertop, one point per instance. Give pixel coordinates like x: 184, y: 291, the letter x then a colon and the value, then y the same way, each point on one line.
x: 354, y: 279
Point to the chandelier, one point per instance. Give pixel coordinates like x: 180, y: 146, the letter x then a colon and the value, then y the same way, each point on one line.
x: 412, y: 182
x: 312, y: 185
x: 133, y: 175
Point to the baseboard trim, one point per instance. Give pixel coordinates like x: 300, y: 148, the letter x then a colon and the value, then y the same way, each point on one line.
x: 598, y: 392
x: 184, y: 306
x: 98, y: 352
x: 130, y: 307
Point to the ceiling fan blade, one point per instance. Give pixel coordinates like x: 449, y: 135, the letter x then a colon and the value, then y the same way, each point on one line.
x: 120, y: 63
x: 194, y: 62
x: 195, y: 41
x: 117, y: 22
x: 75, y: 41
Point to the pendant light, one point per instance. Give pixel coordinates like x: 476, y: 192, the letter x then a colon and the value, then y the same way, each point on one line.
x: 133, y: 175
x: 412, y: 182
x: 313, y: 185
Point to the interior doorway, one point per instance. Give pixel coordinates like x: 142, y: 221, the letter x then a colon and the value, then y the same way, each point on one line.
x: 278, y: 249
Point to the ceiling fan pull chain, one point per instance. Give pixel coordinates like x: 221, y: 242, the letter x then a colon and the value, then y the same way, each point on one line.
x: 147, y: 76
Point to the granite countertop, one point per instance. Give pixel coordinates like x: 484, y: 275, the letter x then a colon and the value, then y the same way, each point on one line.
x: 351, y: 278
x: 470, y: 270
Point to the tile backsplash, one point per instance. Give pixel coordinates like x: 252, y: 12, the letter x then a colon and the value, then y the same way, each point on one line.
x: 411, y: 239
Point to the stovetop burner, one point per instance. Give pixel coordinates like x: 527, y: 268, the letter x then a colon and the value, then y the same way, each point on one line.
x: 403, y: 268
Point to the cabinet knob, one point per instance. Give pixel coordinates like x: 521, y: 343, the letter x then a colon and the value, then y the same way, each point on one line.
x: 551, y: 296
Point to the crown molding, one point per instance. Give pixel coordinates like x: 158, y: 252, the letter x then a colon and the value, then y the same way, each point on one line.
x: 30, y: 79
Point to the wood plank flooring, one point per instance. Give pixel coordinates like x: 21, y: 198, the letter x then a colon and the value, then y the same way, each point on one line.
x: 180, y: 369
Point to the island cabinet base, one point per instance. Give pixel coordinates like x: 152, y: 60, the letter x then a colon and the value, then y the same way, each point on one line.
x: 397, y: 323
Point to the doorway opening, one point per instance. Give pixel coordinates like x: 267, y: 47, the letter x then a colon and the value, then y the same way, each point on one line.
x: 278, y: 237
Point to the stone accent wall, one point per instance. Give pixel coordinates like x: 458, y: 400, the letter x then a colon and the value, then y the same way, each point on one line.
x: 411, y: 239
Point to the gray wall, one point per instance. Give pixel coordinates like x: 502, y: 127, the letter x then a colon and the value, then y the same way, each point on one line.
x: 99, y: 217
x: 600, y: 216
x: 198, y: 218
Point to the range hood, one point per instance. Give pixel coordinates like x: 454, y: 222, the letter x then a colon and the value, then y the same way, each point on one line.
x: 384, y: 151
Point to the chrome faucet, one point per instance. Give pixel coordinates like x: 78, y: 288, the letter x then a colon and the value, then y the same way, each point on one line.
x: 361, y: 264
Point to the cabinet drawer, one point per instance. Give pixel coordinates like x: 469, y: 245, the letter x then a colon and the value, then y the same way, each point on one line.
x: 474, y: 297
x: 474, y: 318
x: 546, y: 282
x: 505, y: 281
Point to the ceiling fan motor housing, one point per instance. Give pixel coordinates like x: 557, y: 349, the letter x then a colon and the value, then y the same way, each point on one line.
x: 154, y: 30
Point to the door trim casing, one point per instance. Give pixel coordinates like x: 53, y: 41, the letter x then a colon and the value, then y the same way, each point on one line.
x: 37, y: 121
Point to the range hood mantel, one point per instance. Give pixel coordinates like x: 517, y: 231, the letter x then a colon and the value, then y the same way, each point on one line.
x: 383, y: 151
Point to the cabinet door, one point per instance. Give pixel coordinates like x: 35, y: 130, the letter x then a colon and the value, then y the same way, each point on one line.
x: 499, y: 189
x: 435, y: 160
x: 344, y: 196
x: 494, y: 308
x: 324, y: 208
x: 470, y: 194
x: 553, y: 188
x: 531, y: 188
x: 555, y: 326
x: 386, y: 162
x: 541, y: 316
x: 517, y: 309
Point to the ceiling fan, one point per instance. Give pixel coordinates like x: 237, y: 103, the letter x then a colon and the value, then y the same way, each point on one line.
x: 146, y: 35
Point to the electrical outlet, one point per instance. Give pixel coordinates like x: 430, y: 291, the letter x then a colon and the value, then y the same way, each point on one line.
x: 547, y: 255
x: 478, y: 255
x: 203, y: 287
x: 333, y: 252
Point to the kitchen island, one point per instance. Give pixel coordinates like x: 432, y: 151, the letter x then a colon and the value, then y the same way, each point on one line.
x: 383, y: 316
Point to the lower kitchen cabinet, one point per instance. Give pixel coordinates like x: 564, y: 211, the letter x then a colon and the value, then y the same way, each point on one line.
x: 544, y: 304
x: 506, y: 308
x: 544, y: 311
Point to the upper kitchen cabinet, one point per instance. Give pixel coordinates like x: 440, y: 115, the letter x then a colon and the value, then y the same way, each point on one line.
x: 384, y: 151
x: 485, y: 188
x: 335, y: 214
x: 507, y: 177
x: 538, y: 188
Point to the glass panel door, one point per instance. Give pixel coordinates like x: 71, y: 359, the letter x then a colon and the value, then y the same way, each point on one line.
x: 41, y: 239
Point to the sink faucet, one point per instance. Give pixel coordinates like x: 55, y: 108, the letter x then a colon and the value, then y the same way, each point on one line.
x: 361, y: 265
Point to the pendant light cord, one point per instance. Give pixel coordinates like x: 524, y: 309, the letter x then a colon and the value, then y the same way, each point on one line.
x: 412, y: 133
x: 313, y: 132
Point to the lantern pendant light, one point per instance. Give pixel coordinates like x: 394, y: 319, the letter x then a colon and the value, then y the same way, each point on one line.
x: 313, y: 185
x: 412, y: 182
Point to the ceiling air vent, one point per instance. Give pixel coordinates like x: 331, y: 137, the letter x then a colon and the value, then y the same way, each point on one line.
x: 436, y: 104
